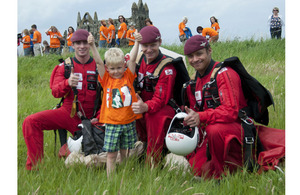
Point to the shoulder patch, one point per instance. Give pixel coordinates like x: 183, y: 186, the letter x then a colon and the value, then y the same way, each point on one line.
x: 222, y: 70
x: 169, y: 72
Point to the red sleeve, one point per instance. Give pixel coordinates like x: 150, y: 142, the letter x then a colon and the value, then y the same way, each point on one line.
x: 230, y: 91
x: 58, y: 83
x: 163, y: 89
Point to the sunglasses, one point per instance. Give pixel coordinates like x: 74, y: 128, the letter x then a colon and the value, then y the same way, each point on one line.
x: 275, y: 10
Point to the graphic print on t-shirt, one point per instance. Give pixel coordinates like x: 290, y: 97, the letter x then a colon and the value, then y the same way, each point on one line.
x: 119, y: 98
x: 116, y: 99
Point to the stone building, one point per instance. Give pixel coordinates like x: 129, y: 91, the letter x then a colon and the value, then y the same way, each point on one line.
x: 139, y: 12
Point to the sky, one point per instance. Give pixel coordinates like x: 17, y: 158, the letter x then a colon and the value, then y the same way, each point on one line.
x: 238, y: 19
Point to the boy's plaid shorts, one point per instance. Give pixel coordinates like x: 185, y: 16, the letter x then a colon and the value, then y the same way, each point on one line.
x: 119, y: 137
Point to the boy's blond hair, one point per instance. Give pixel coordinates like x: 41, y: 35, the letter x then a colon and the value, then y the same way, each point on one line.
x: 114, y: 56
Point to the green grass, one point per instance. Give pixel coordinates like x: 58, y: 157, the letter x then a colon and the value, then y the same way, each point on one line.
x: 264, y: 59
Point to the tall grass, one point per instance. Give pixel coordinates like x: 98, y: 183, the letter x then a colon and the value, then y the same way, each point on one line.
x: 265, y: 60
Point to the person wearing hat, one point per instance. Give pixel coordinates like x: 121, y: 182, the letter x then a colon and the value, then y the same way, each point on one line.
x: 83, y: 77
x: 222, y: 144
x: 155, y: 94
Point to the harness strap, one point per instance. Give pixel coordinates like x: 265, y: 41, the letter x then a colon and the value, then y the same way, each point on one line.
x: 161, y: 66
x: 173, y: 104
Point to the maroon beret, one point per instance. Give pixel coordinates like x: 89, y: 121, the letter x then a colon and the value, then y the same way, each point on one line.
x: 195, y: 43
x: 80, y: 35
x: 150, y: 34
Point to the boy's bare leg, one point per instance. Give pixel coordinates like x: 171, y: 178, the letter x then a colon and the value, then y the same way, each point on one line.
x: 111, y: 162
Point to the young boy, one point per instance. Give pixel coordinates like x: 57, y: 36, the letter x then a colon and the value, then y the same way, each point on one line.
x: 119, y: 94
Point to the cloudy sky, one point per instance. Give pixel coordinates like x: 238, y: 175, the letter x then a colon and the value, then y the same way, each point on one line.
x: 237, y: 19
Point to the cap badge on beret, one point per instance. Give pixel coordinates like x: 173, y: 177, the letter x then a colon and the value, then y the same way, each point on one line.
x: 203, y: 44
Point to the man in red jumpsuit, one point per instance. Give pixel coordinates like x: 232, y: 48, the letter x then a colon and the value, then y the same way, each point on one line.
x: 155, y: 94
x: 83, y: 77
x: 222, y: 124
x: 222, y: 147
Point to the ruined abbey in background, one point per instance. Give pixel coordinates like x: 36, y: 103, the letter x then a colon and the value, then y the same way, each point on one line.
x: 139, y: 12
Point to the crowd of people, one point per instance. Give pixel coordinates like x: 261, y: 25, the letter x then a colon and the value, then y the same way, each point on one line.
x: 275, y: 21
x: 108, y: 37
x: 33, y: 45
x: 211, y: 33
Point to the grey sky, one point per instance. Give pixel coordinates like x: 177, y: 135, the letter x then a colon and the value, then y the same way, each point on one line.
x: 237, y: 19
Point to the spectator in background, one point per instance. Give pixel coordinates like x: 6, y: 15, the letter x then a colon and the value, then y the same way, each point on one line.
x: 122, y: 32
x: 103, y: 32
x: 111, y: 39
x: 31, y: 43
x: 55, y: 38
x: 213, y: 35
x: 184, y: 32
x: 148, y: 22
x: 46, y: 48
x: 26, y: 42
x: 69, y: 36
x: 130, y: 35
x: 37, y: 39
x: 275, y: 22
x: 215, y: 24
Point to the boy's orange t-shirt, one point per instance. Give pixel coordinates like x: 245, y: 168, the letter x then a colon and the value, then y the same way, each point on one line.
x: 122, y: 28
x: 54, y: 41
x: 209, y: 31
x: 118, y: 96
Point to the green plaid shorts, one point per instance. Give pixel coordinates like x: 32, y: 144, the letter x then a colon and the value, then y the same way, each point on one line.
x: 119, y: 137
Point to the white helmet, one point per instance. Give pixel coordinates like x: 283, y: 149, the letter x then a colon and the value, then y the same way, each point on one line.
x: 74, y: 145
x: 181, y: 139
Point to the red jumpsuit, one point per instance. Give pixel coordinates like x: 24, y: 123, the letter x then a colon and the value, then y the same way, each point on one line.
x: 222, y: 125
x: 34, y: 124
x: 154, y: 124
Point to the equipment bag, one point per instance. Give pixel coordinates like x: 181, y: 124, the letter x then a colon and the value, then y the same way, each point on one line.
x: 93, y: 137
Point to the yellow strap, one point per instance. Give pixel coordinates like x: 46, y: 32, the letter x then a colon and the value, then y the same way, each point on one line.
x: 161, y: 65
x: 73, y: 111
x: 68, y: 61
x: 138, y: 57
x: 214, y: 72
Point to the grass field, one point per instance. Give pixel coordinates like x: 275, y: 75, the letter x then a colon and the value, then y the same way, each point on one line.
x: 265, y: 60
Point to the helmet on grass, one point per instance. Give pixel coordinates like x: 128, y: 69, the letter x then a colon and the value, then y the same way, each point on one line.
x: 74, y: 145
x: 181, y: 139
